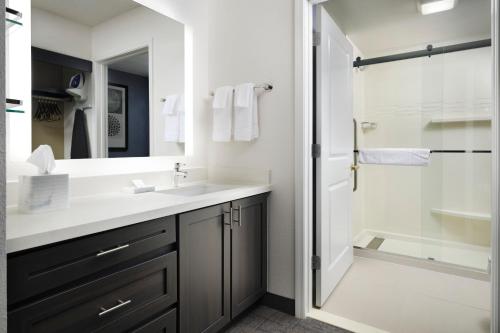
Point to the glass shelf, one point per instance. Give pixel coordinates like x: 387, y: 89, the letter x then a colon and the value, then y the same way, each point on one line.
x: 11, y: 105
x: 12, y: 18
x: 14, y: 111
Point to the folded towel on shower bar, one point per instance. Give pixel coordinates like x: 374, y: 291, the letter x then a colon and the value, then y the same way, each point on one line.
x: 395, y: 156
x: 222, y: 106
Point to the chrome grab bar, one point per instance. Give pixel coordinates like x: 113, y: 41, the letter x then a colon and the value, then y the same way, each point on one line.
x: 103, y: 253
x: 121, y: 303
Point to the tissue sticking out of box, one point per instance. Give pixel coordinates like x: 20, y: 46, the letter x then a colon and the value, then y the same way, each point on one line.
x: 43, y: 159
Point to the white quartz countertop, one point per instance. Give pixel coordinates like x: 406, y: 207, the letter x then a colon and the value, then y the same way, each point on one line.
x: 92, y: 214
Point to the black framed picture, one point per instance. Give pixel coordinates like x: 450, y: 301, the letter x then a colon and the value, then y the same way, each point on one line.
x: 117, y: 117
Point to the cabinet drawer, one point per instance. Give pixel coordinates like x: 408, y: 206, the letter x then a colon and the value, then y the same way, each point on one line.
x: 39, y: 271
x: 101, y: 302
x: 151, y: 318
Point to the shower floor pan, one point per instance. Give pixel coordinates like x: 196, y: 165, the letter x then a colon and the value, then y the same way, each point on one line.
x: 471, y: 256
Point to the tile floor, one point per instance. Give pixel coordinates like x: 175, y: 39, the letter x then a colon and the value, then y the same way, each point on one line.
x: 266, y: 320
x: 404, y: 299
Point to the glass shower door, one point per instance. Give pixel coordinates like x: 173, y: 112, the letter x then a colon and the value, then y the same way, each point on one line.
x: 455, y: 191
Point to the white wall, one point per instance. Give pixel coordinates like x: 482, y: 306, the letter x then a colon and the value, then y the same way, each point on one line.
x: 252, y: 41
x: 402, y: 97
x: 55, y: 33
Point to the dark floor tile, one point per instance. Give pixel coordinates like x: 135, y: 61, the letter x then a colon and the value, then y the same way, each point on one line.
x: 267, y: 320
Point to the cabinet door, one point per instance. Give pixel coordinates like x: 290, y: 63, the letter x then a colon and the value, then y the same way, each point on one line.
x: 249, y: 252
x: 204, y: 269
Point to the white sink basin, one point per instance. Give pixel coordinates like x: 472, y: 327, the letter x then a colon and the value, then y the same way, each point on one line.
x: 190, y: 191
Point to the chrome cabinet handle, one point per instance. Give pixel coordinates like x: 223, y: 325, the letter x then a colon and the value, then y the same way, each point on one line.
x: 230, y: 216
x: 103, y: 253
x: 239, y: 215
x: 116, y: 307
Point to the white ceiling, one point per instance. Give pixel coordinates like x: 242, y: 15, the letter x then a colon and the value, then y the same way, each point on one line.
x: 87, y: 12
x: 135, y: 64
x: 380, y: 26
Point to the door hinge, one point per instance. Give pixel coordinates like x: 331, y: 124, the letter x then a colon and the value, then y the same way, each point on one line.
x: 316, y: 262
x: 316, y: 38
x: 315, y: 150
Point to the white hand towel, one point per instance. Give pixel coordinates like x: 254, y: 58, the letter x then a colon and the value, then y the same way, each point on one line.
x: 223, y: 110
x: 243, y: 95
x: 173, y: 110
x: 170, y: 105
x: 172, y: 128
x: 395, y: 156
x: 246, y: 116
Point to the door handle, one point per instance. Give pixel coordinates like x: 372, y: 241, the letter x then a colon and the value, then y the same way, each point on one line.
x: 120, y: 304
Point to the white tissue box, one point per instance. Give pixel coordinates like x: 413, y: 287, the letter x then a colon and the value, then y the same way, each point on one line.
x: 43, y: 193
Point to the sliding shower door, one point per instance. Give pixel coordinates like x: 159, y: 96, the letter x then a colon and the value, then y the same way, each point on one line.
x: 439, y: 212
x: 456, y: 187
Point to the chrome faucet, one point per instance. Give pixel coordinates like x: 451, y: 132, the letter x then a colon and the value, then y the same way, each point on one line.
x: 178, y: 172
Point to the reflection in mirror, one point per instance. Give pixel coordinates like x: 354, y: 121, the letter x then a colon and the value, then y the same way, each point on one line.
x: 128, y: 103
x: 111, y: 84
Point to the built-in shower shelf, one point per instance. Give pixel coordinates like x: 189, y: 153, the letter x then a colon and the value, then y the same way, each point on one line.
x: 460, y: 119
x: 462, y: 214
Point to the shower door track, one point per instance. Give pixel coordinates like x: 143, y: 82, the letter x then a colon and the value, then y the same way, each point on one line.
x: 461, y: 151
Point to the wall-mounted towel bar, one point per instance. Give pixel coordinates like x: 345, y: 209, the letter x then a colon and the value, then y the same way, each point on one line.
x: 265, y: 86
x: 464, y: 151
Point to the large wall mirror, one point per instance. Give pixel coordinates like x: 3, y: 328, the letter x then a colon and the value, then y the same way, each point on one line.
x: 108, y: 80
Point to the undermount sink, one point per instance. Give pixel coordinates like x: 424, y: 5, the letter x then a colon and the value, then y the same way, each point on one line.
x: 189, y: 191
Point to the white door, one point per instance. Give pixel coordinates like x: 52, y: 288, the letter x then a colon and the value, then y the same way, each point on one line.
x: 334, y: 132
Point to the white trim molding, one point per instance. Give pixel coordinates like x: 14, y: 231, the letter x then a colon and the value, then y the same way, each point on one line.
x: 495, y: 177
x: 303, y: 161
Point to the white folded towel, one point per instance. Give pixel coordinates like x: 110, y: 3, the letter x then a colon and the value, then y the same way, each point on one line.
x: 173, y: 110
x: 223, y: 111
x: 170, y: 105
x: 246, y: 115
x: 395, y: 156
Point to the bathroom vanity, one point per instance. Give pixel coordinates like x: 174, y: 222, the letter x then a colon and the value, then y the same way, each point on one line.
x: 207, y: 263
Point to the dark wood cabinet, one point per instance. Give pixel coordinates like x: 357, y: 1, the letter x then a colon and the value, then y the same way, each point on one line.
x: 121, y: 280
x: 204, y: 270
x: 57, y: 266
x: 248, y: 252
x: 223, y: 263
x: 189, y: 273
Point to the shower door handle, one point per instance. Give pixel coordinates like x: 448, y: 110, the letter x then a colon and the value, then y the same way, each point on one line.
x: 355, y: 166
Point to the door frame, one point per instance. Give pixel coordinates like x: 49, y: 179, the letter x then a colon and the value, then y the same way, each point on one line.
x: 100, y: 80
x: 303, y: 159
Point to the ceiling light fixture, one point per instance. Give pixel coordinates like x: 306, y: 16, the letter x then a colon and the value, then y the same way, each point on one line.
x: 427, y: 7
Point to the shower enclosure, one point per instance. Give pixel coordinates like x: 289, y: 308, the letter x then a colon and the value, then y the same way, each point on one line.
x: 437, y: 98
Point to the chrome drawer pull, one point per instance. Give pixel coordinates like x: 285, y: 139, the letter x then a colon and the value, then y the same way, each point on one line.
x: 103, y: 253
x: 116, y: 307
